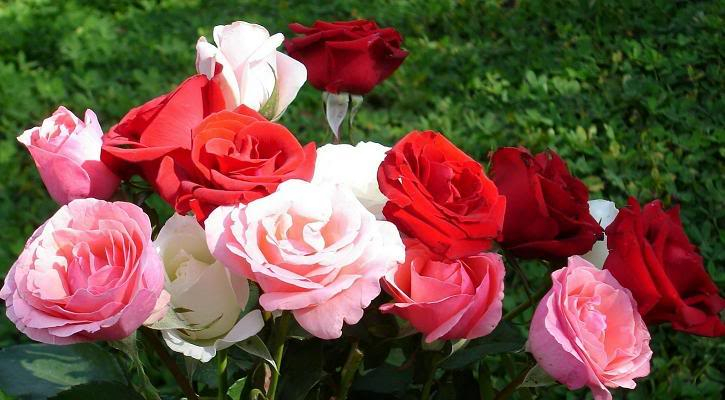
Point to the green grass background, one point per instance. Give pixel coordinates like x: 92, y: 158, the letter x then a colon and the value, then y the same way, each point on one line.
x: 630, y: 93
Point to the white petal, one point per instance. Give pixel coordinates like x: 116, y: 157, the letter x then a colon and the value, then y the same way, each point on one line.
x: 291, y: 75
x: 604, y: 212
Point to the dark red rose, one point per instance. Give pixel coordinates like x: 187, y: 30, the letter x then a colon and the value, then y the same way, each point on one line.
x: 351, y: 57
x: 650, y: 255
x: 198, y: 158
x: 547, y: 215
x: 440, y: 196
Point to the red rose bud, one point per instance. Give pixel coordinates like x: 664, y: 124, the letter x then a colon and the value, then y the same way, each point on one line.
x: 650, y: 255
x: 547, y: 215
x: 440, y: 196
x: 351, y: 56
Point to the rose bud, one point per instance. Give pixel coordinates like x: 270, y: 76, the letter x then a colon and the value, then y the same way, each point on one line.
x: 67, y: 153
x: 350, y: 57
x: 252, y: 71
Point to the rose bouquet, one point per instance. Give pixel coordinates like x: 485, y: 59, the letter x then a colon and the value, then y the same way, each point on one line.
x: 304, y: 271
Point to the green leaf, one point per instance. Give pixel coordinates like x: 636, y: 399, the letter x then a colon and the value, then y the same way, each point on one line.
x: 98, y: 390
x: 301, y: 370
x: 172, y: 321
x: 40, y: 371
x: 256, y: 347
x: 384, y: 379
x: 235, y: 391
x: 505, y: 338
x: 129, y: 347
x: 269, y: 109
x: 537, y: 377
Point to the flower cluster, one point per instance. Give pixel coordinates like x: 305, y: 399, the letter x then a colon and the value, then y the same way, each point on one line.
x: 321, y: 232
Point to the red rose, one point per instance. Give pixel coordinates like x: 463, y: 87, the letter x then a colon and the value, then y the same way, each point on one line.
x: 198, y: 157
x: 440, y: 196
x: 650, y: 255
x: 236, y: 157
x: 351, y: 56
x: 150, y: 131
x: 547, y: 215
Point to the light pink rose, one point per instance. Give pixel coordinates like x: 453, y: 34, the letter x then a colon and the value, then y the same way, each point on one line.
x: 67, y: 153
x: 446, y: 299
x: 88, y: 273
x: 313, y: 249
x: 586, y: 331
x: 252, y: 71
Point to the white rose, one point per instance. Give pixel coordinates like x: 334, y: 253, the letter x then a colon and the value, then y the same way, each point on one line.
x: 603, y: 211
x: 199, y: 283
x: 355, y: 167
x: 252, y: 68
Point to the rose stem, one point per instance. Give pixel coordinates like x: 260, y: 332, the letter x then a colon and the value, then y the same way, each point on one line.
x: 519, y: 272
x: 485, y: 387
x: 525, y: 305
x: 222, y: 374
x: 425, y: 395
x: 354, y: 358
x: 169, y: 362
x: 281, y: 327
x: 513, y: 385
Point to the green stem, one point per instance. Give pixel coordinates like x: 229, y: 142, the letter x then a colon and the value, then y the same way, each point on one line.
x: 425, y: 395
x: 520, y: 272
x: 525, y: 305
x: 354, y: 358
x: 281, y: 327
x: 153, y: 340
x: 485, y: 387
x: 513, y: 385
x: 222, y: 361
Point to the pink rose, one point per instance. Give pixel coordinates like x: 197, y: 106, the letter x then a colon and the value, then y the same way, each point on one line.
x: 446, y: 299
x: 313, y: 249
x: 88, y: 273
x: 67, y: 153
x: 586, y: 331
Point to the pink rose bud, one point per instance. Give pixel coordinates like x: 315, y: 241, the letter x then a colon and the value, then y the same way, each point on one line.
x: 89, y: 273
x: 446, y: 299
x: 586, y: 331
x: 67, y: 153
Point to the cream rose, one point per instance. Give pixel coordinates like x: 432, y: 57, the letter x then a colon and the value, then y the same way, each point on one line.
x: 207, y: 295
x: 355, y: 167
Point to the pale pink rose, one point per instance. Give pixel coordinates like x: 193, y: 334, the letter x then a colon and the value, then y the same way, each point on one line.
x: 446, y: 299
x: 67, y: 152
x: 313, y: 249
x: 586, y: 331
x: 88, y: 273
x: 252, y: 69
